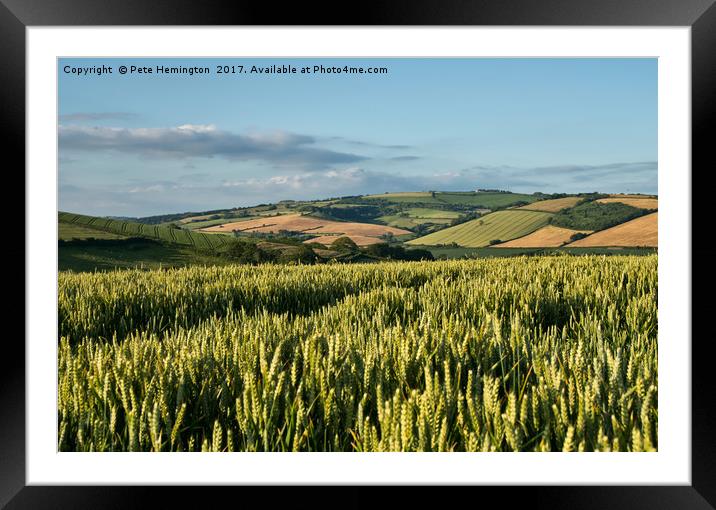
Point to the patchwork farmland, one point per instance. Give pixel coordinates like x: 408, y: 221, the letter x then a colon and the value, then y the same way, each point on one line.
x: 416, y: 216
x: 140, y: 230
x: 359, y: 240
x: 74, y: 231
x: 478, y: 199
x: 547, y: 237
x: 641, y: 231
x: 499, y: 226
x: 446, y: 224
x: 640, y: 203
x: 308, y: 225
x: 554, y: 205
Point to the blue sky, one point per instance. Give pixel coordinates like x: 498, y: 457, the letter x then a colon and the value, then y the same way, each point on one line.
x: 143, y: 144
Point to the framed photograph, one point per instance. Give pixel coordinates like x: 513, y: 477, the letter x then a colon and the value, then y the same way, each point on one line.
x: 422, y: 249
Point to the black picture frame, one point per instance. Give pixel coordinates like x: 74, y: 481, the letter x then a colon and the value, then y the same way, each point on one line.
x: 700, y: 15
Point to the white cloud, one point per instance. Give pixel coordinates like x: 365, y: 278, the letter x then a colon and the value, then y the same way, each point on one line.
x: 160, y: 197
x: 193, y: 140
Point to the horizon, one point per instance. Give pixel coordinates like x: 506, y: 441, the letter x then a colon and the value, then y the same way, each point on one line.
x: 173, y: 213
x: 153, y: 144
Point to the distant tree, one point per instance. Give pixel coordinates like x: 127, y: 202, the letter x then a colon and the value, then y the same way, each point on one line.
x: 300, y: 254
x: 345, y: 244
x: 577, y: 237
x: 595, y: 216
x: 378, y: 250
x: 495, y: 241
x: 385, y: 251
x: 245, y: 253
x: 422, y: 228
x: 418, y: 254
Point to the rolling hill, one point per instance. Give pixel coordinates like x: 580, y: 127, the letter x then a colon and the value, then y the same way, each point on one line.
x: 72, y: 231
x: 478, y: 199
x: 141, y: 230
x: 548, y: 236
x: 642, y: 231
x: 359, y: 240
x: 554, y: 205
x: 639, y: 203
x: 309, y: 225
x: 282, y: 232
x: 500, y: 225
x: 417, y: 216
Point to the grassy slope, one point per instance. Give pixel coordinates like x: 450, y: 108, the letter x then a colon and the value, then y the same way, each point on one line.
x: 307, y: 224
x: 155, y: 249
x: 418, y: 216
x: 154, y: 232
x: 70, y: 231
x: 400, y: 221
x: 547, y: 236
x: 489, y: 200
x: 401, y: 195
x: 642, y: 231
x: 490, y: 252
x: 431, y: 214
x: 503, y: 225
x: 639, y: 203
x: 130, y: 254
x: 195, y: 225
x: 485, y: 199
x: 553, y: 205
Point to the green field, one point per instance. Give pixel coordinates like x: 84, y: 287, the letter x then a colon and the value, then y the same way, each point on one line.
x: 178, y: 236
x: 132, y: 253
x: 347, y: 206
x: 451, y: 252
x: 488, y: 200
x: 70, y: 231
x: 406, y: 196
x: 513, y: 354
x: 396, y: 221
x: 485, y: 199
x: 416, y: 216
x: 195, y: 225
x: 431, y: 214
x: 502, y: 225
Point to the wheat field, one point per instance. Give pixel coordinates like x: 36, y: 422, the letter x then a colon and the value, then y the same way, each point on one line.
x: 308, y: 225
x: 498, y: 226
x: 641, y: 231
x: 547, y: 236
x: 552, y: 353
